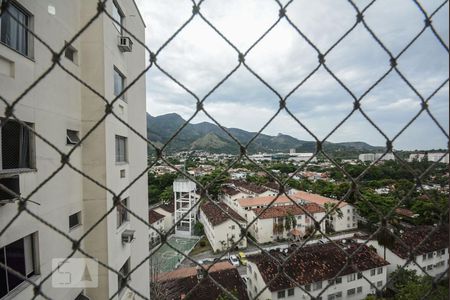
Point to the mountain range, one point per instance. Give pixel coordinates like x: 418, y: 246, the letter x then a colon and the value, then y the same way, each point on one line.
x: 210, y: 137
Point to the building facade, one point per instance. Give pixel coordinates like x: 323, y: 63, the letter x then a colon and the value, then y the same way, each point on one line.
x: 330, y: 278
x: 63, y: 110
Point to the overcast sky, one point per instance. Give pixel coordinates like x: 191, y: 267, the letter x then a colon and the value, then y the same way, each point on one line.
x: 199, y: 58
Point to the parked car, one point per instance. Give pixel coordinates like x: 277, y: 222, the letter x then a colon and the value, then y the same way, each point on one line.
x: 234, y: 260
x: 206, y: 261
x: 242, y: 258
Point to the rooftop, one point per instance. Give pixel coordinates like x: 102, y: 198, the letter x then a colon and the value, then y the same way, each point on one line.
x: 254, y: 188
x: 229, y: 190
x: 317, y: 263
x: 216, y: 216
x: 182, y: 281
x: 153, y: 216
x: 282, y: 211
x: 414, y: 236
x: 169, y: 206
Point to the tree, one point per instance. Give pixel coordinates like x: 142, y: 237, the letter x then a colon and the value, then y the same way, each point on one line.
x: 401, y: 277
x: 385, y: 238
x: 199, y: 229
x: 423, y: 289
x: 225, y: 296
x: 332, y: 210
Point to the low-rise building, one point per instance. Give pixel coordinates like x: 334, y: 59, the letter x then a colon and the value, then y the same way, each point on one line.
x: 285, y: 221
x: 221, y: 230
x: 179, y: 283
x: 431, y: 253
x: 320, y: 270
x: 168, y: 211
x: 157, y: 221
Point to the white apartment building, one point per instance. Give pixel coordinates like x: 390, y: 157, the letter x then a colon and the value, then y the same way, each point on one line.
x: 316, y: 267
x: 63, y: 111
x: 433, y: 157
x: 432, y: 254
x: 219, y: 228
x: 347, y: 221
x: 366, y: 157
x: 168, y: 211
x: 284, y: 221
x: 157, y: 221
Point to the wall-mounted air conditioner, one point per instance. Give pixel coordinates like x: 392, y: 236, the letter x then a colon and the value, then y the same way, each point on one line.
x: 127, y: 236
x: 125, y: 44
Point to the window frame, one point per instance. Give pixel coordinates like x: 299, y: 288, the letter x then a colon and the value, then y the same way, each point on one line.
x: 291, y: 292
x: 31, y: 159
x: 79, y: 218
x: 30, y: 250
x: 28, y: 26
x: 125, y: 267
x: 122, y: 214
x: 281, y: 294
x: 121, y: 158
x: 70, y: 140
x: 123, y: 82
x: 116, y: 7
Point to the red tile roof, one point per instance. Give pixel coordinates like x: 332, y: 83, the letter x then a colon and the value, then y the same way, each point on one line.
x: 153, y: 216
x: 316, y: 263
x: 228, y: 190
x: 405, y: 212
x: 180, y: 282
x: 414, y: 236
x: 169, y: 206
x: 216, y: 216
x: 254, y: 188
x: 284, y: 210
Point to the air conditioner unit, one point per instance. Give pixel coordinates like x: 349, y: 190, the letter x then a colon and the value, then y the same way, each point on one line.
x: 125, y: 44
x: 127, y: 236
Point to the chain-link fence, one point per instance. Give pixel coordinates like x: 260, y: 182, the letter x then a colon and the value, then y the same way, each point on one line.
x: 12, y: 125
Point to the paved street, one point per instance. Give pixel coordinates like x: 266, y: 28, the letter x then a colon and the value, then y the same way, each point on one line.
x: 209, y: 256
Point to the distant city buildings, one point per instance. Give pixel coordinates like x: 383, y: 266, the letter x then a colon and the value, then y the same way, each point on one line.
x: 432, y: 156
x: 370, y: 157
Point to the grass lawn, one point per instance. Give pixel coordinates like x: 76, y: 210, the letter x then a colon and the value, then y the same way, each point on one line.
x: 199, y: 249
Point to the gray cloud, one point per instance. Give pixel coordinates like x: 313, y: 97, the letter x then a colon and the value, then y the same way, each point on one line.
x: 199, y: 59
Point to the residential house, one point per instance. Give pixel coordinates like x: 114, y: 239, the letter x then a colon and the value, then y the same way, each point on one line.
x: 221, y: 230
x: 284, y: 221
x: 430, y: 250
x: 156, y: 220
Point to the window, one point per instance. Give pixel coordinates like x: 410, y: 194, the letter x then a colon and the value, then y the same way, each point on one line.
x: 72, y: 137
x: 350, y: 292
x: 122, y: 213
x: 359, y: 290
x: 14, y: 33
x: 338, y: 280
x: 372, y: 272
x: 19, y: 256
x: 119, y: 83
x: 441, y: 252
x: 430, y: 255
x: 429, y: 267
x: 334, y: 296
x: 440, y: 264
x: 424, y: 257
x: 12, y: 183
x: 75, y: 220
x: 281, y: 294
x: 121, y: 149
x: 291, y: 292
x: 359, y: 275
x: 379, y: 283
x: 232, y: 227
x: 351, y: 277
x: 16, y: 146
x: 317, y: 285
x: 122, y: 173
x: 124, y: 271
x: 308, y: 288
x: 118, y: 16
x: 71, y: 53
x: 379, y: 270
